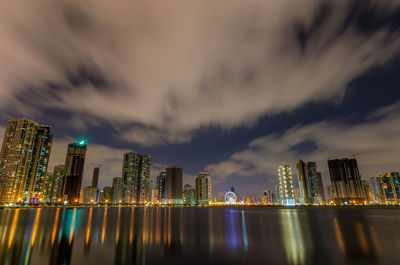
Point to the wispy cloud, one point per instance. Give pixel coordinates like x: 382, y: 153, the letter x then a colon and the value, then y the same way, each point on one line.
x: 374, y: 142
x: 177, y: 66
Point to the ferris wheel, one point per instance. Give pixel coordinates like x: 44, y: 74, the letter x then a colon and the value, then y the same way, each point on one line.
x: 230, y: 198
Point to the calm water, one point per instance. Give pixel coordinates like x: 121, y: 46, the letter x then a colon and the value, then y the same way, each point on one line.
x: 199, y: 236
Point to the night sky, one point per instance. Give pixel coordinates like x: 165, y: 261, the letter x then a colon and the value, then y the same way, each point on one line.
x: 235, y: 88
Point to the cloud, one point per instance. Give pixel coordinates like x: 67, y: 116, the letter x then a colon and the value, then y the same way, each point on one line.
x: 374, y: 142
x: 178, y: 66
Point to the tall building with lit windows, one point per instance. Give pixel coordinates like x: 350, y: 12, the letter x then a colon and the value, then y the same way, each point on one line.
x: 203, y: 188
x: 74, y: 165
x: 136, y: 176
x: 117, y: 189
x: 160, y: 185
x: 310, y: 183
x: 286, y: 191
x: 24, y: 159
x: 388, y: 187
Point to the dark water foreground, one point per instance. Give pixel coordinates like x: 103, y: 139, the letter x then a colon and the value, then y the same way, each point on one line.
x: 199, y: 236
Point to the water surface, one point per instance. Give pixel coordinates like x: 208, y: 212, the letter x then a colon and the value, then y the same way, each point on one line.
x: 199, y: 236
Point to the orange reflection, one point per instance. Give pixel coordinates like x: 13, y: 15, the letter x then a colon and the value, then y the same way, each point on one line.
x: 13, y: 227
x: 71, y: 231
x: 118, y: 221
x: 89, y: 225
x: 35, y: 226
x: 375, y: 239
x: 103, y: 229
x: 54, y: 232
x: 131, y: 228
x: 158, y: 226
x: 339, y: 236
x: 362, y: 239
x: 4, y: 228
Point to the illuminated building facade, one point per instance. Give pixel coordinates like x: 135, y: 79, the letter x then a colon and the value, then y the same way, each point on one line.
x: 89, y: 195
x: 369, y: 196
x: 188, y: 194
x: 117, y: 189
x: 106, y: 195
x: 74, y: 165
x: 56, y: 194
x: 160, y: 185
x: 346, y: 180
x: 310, y: 183
x: 136, y: 176
x: 24, y: 159
x: 388, y: 187
x: 331, y: 193
x: 267, y: 197
x: 203, y: 188
x: 286, y: 185
x: 173, y: 185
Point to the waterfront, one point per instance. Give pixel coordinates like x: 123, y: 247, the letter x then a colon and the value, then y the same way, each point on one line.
x: 168, y: 235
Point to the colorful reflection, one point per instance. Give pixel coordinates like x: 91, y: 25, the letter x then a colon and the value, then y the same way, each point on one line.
x: 175, y: 235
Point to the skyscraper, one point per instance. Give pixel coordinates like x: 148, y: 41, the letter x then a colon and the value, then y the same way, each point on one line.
x: 188, y: 195
x: 346, y: 180
x: 286, y: 185
x: 117, y: 189
x: 203, y: 188
x: 388, y: 187
x: 173, y: 185
x: 74, y: 165
x: 106, y: 195
x: 310, y: 183
x: 160, y: 185
x: 136, y: 176
x: 89, y: 195
x: 58, y: 184
x: 40, y: 159
x: 369, y: 197
x: 24, y: 158
x: 304, y: 183
x: 95, y: 178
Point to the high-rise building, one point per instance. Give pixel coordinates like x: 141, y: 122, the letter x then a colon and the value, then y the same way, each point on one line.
x: 173, y: 185
x: 369, y: 197
x: 221, y: 196
x: 117, y: 189
x: 374, y: 187
x: 388, y: 187
x: 277, y: 195
x: 136, y: 176
x: 296, y: 194
x: 267, y: 197
x: 154, y: 196
x: 160, y: 185
x: 40, y: 159
x: 58, y: 184
x: 24, y: 159
x: 346, y: 180
x: 106, y: 195
x: 331, y: 193
x: 188, y: 194
x: 286, y: 185
x: 304, y: 183
x: 203, y: 188
x: 74, y: 165
x: 47, y: 188
x: 95, y: 177
x: 310, y: 183
x: 89, y: 195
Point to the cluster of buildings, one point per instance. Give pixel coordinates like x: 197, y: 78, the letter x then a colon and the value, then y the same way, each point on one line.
x: 25, y: 178
x: 347, y: 187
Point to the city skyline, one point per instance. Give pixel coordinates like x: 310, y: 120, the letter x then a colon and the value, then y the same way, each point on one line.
x: 264, y: 89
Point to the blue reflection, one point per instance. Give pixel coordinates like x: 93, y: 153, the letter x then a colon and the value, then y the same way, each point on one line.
x: 244, y: 231
x: 232, y: 229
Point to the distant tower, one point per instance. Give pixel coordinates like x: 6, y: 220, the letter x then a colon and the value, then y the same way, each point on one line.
x: 304, y: 183
x: 117, y: 189
x: 136, y: 176
x: 173, y: 185
x: 74, y: 165
x: 24, y: 159
x: 160, y: 185
x: 203, y: 188
x: 346, y: 179
x: 286, y: 185
x: 95, y: 178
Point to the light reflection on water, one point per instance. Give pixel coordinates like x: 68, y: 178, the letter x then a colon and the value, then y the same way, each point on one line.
x: 199, y: 236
